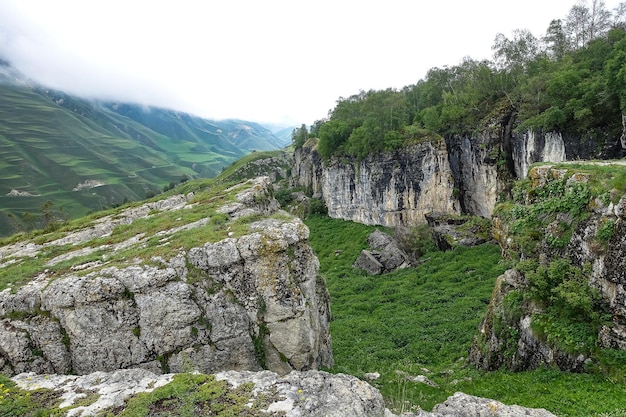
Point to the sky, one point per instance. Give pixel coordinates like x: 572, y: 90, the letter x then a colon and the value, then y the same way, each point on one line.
x: 270, y: 61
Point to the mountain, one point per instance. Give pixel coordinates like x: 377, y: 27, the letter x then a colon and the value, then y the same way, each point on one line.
x: 284, y: 134
x: 84, y: 155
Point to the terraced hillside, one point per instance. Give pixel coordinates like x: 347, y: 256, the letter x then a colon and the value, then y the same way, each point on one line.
x: 84, y: 156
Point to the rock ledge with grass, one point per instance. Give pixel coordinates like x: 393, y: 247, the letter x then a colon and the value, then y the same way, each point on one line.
x: 214, y: 280
x: 264, y: 393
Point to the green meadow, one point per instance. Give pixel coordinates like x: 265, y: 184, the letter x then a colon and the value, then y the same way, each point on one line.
x: 422, y: 321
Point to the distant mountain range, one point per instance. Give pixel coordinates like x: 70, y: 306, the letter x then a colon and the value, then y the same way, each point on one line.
x: 84, y: 155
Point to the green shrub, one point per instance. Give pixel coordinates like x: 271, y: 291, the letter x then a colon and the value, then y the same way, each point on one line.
x: 317, y: 207
x: 415, y: 240
x: 606, y: 231
x: 573, y: 310
x: 284, y: 197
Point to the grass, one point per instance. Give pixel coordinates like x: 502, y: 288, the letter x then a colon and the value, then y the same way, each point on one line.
x: 207, y: 197
x: 195, y: 395
x: 422, y: 321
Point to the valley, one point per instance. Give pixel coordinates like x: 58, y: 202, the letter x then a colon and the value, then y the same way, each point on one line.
x: 53, y: 146
x: 157, y: 263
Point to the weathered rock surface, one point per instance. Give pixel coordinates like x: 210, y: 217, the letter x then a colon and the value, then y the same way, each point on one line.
x: 391, y: 189
x: 307, y: 168
x: 450, y: 231
x: 463, y: 405
x: 249, y: 301
x: 534, y: 147
x: 473, y: 161
x: 297, y: 394
x: 385, y: 255
x: 506, y: 337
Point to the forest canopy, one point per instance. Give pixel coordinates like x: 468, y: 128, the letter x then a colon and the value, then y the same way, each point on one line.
x: 572, y: 79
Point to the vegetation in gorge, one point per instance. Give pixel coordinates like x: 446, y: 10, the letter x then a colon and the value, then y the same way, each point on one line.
x: 421, y: 321
x: 537, y: 226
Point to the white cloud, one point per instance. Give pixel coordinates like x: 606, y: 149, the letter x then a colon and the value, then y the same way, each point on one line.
x: 257, y: 60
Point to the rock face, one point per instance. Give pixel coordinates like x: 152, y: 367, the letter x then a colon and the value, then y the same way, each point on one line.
x: 595, y: 246
x: 297, y: 394
x: 473, y: 162
x: 468, y: 174
x: 249, y: 301
x: 534, y: 147
x: 392, y: 189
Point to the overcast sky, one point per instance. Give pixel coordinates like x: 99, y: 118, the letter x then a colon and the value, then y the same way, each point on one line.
x: 261, y: 60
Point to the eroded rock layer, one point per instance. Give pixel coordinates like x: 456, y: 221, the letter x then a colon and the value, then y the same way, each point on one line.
x: 249, y: 301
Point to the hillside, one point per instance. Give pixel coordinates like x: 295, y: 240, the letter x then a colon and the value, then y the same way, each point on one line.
x: 84, y: 156
x: 408, y: 325
x: 532, y: 86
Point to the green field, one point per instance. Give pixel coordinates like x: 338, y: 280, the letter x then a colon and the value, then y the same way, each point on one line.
x: 421, y: 321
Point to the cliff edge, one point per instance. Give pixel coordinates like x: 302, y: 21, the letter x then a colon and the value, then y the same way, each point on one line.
x: 210, y: 280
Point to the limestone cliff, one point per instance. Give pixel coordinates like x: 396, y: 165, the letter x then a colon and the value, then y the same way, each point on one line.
x: 391, y: 189
x: 212, y: 280
x: 532, y: 147
x: 566, y: 298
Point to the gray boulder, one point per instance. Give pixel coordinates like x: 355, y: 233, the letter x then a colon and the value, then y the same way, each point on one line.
x: 369, y: 263
x: 385, y: 255
x: 449, y: 231
x: 463, y: 405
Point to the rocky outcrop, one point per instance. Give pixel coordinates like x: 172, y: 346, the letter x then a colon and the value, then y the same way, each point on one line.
x: 88, y: 184
x: 277, y: 166
x: 507, y: 340
x: 463, y: 405
x: 582, y: 230
x: 18, y: 193
x: 250, y: 300
x: 297, y: 394
x: 307, y: 168
x: 391, y: 189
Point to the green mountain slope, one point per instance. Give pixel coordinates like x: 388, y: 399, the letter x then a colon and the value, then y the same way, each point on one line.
x: 84, y: 156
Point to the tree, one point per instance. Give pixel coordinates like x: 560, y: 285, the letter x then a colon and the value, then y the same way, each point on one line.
x: 584, y: 24
x: 600, y: 22
x: 619, y: 16
x: 516, y: 53
x: 50, y: 220
x: 314, y: 132
x: 333, y: 135
x: 576, y: 25
x: 556, y: 40
x: 299, y: 135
